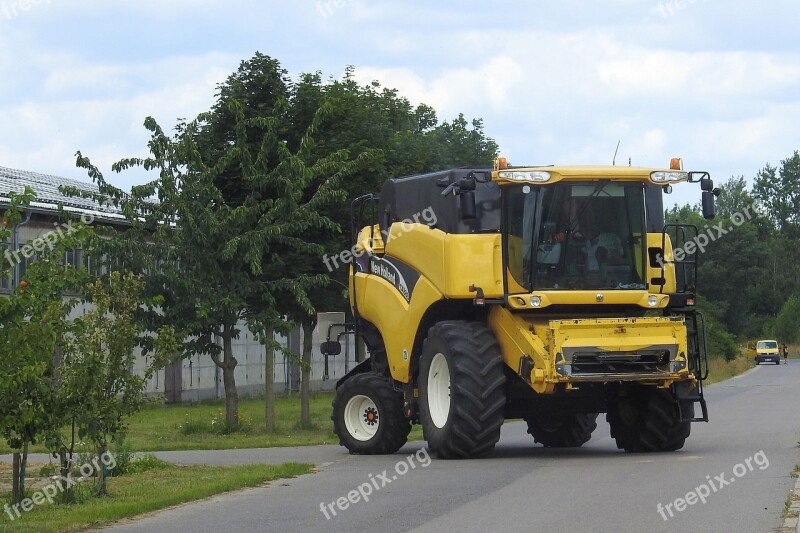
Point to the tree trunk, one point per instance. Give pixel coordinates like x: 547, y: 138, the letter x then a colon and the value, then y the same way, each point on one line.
x: 20, y: 462
x: 23, y: 466
x: 16, y: 495
x: 305, y: 380
x: 102, y: 476
x: 269, y: 383
x: 229, y: 381
x: 67, y: 492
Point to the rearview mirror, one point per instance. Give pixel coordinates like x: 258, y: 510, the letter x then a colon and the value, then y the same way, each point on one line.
x: 709, y: 206
x: 331, y: 348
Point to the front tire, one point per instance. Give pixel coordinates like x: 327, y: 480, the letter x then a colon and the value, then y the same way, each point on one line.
x: 368, y: 416
x: 462, y: 393
x: 648, y: 420
x: 562, y: 430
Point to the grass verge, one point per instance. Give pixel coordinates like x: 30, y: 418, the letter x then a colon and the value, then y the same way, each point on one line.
x: 201, y: 426
x: 161, y: 485
x: 720, y: 369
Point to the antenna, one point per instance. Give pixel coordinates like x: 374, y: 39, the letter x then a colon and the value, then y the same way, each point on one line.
x: 614, y: 161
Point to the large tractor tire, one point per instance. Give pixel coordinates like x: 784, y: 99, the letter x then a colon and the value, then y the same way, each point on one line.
x: 648, y: 420
x: 462, y: 392
x: 368, y: 416
x: 562, y: 430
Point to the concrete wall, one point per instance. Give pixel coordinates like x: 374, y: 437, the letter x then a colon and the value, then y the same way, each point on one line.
x: 200, y: 379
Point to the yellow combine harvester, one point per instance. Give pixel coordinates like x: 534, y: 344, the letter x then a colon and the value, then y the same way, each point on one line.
x: 550, y: 294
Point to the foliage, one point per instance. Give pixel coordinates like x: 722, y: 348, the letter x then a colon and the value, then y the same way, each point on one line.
x: 98, y: 378
x: 750, y: 272
x: 721, y: 344
x: 215, y: 274
x: 58, y: 370
x: 786, y: 327
x: 33, y: 320
x: 249, y: 197
x: 779, y: 190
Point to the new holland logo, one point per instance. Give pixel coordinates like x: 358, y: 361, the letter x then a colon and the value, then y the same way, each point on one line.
x: 389, y: 272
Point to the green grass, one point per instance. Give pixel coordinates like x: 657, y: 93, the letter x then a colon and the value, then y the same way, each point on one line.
x: 201, y: 426
x: 157, y: 487
x: 720, y: 370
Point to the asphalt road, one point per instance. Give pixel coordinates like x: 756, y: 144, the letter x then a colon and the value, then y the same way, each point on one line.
x: 742, y: 459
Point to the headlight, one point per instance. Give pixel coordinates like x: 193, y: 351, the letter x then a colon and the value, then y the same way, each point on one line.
x: 536, y: 301
x: 652, y: 301
x: 669, y: 177
x: 515, y: 175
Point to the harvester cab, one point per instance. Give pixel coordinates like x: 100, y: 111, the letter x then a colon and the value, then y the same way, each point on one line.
x: 550, y: 294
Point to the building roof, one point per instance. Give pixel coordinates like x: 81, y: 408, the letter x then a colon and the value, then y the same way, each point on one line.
x: 49, y: 197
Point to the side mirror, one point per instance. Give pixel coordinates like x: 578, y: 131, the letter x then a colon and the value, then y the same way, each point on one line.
x: 709, y: 205
x: 331, y: 348
x: 468, y: 207
x: 466, y: 197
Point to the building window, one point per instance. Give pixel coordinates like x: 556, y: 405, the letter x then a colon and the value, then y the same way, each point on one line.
x: 72, y: 258
x: 94, y: 266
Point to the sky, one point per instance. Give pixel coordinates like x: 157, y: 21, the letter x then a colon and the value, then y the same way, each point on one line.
x: 714, y: 82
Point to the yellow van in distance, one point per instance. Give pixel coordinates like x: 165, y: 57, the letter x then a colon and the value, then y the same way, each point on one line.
x: 764, y: 351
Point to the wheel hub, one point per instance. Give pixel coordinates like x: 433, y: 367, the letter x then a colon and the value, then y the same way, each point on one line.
x: 439, y: 390
x: 361, y: 418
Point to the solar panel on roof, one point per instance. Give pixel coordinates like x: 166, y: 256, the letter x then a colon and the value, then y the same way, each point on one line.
x: 47, y: 191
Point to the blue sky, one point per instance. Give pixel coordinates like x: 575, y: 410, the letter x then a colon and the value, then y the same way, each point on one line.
x: 717, y: 83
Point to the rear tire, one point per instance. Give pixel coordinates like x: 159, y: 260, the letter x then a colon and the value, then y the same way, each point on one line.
x: 563, y: 430
x: 462, y: 393
x: 648, y: 420
x: 368, y: 416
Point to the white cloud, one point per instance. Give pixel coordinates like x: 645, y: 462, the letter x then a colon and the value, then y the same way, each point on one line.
x: 555, y: 82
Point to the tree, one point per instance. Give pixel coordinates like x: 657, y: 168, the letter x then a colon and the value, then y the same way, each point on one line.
x: 779, y: 191
x: 220, y: 258
x: 734, y: 198
x: 396, y: 139
x: 786, y: 327
x: 97, y: 375
x: 33, y: 320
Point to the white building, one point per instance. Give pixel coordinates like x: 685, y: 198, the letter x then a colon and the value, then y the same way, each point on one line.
x: 196, y: 377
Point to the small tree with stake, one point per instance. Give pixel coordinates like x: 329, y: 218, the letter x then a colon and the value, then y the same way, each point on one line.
x: 33, y: 319
x: 97, y: 375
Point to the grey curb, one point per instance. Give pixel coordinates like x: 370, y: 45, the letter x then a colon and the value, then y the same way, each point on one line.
x: 792, y: 525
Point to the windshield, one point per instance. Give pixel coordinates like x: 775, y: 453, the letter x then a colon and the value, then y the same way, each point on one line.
x: 587, y: 235
x: 766, y: 345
